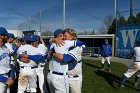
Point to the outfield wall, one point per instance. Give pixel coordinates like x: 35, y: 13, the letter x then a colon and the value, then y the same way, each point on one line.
x: 125, y: 40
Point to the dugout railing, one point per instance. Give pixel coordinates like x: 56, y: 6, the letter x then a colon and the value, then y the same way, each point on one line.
x: 92, y: 51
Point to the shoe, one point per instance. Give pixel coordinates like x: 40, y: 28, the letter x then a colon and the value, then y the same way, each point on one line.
x: 102, y: 69
x: 122, y: 86
x: 109, y: 70
x: 135, y: 85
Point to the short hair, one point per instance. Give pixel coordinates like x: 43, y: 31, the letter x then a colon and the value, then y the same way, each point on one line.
x: 71, y: 32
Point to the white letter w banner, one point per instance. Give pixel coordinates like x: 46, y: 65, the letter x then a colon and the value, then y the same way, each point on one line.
x: 127, y: 36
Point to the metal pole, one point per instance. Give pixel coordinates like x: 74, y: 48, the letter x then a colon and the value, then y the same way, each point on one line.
x: 29, y: 24
x: 40, y: 22
x: 64, y: 14
x: 116, y: 32
x: 114, y: 9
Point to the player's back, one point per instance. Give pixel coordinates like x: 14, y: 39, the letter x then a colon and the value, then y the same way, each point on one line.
x: 63, y: 49
x: 29, y: 50
x: 42, y: 48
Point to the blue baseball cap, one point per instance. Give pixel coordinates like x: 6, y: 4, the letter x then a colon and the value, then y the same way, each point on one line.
x: 30, y: 38
x: 3, y: 31
x: 25, y: 38
x: 37, y: 37
x: 57, y: 32
x: 11, y: 35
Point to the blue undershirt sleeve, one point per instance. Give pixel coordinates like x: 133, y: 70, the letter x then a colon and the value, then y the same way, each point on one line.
x: 79, y: 43
x: 3, y: 79
x: 67, y: 58
x: 37, y: 57
x: 11, y: 74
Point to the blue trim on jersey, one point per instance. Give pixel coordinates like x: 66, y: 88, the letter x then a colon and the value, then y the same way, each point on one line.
x: 72, y: 65
x: 37, y: 58
x: 67, y: 58
x: 70, y: 60
x: 76, y: 43
x: 71, y: 48
x: 3, y: 79
x: 79, y: 43
x: 72, y: 56
x: 14, y: 52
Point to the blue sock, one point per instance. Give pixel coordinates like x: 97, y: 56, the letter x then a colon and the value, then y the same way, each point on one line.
x: 123, y: 80
x: 109, y: 66
x: 102, y: 65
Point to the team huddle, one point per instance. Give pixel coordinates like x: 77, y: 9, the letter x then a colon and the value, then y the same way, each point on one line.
x: 65, y: 64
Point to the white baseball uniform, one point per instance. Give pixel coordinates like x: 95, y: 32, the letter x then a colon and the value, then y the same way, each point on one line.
x: 41, y: 70
x: 27, y: 70
x: 4, y: 68
x: 9, y: 46
x: 136, y: 65
x: 75, y: 75
x: 57, y: 76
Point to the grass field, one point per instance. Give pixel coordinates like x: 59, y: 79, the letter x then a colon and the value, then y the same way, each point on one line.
x: 97, y: 81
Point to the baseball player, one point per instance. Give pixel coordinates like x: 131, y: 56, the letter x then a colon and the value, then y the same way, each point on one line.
x: 12, y: 49
x: 28, y: 69
x: 6, y: 73
x: 73, y: 58
x: 57, y: 76
x: 106, y: 51
x: 41, y: 66
x: 135, y: 66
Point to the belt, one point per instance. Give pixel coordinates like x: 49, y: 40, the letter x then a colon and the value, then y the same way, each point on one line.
x: 73, y: 76
x: 30, y: 67
x: 57, y: 73
x: 40, y: 66
x: 137, y: 61
x: 80, y: 61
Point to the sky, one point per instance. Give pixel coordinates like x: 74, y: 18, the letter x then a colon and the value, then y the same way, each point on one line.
x: 82, y: 15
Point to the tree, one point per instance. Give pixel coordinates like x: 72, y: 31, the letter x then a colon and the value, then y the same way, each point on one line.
x: 107, y: 23
x: 122, y: 21
x: 131, y: 20
x: 112, y: 28
x: 138, y: 18
x: 93, y: 32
